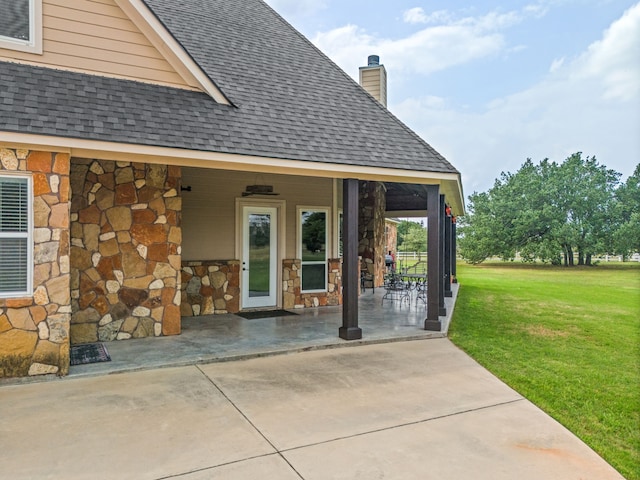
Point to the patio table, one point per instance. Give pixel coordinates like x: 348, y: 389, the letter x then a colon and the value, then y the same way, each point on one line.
x: 417, y: 282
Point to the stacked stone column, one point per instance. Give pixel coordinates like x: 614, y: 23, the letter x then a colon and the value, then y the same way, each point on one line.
x: 125, y: 250
x: 371, y: 229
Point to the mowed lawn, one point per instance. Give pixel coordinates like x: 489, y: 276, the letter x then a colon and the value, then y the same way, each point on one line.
x: 568, y: 339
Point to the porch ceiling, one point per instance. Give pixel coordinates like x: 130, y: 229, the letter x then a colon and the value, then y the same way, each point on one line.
x: 409, y: 199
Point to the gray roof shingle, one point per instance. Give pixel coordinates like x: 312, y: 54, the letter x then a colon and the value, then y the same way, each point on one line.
x: 289, y: 100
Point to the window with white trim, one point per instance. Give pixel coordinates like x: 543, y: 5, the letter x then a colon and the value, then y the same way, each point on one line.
x: 312, y: 248
x: 16, y: 251
x: 21, y: 25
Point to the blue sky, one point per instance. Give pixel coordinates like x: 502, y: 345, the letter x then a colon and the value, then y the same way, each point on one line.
x: 492, y: 83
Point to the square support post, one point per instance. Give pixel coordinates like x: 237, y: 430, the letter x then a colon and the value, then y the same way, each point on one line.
x: 432, y: 321
x: 442, y: 310
x: 447, y: 253
x: 454, y: 252
x: 350, y: 271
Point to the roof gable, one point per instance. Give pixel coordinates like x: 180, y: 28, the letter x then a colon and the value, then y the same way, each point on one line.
x: 117, y: 38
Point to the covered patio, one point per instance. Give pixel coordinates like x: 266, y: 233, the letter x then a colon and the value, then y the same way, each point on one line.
x: 221, y: 338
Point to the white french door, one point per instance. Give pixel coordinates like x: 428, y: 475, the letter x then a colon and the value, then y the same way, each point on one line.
x: 259, y: 256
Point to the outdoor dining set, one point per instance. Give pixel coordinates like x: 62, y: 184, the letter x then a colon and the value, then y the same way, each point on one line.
x: 405, y: 287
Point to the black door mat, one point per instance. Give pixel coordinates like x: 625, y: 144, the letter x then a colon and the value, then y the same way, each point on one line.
x: 264, y: 314
x: 89, y: 353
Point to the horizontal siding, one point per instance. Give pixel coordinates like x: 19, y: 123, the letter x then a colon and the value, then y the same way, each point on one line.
x: 208, y: 210
x: 96, y: 36
x: 93, y: 34
x: 122, y: 44
x: 87, y: 11
x: 101, y: 56
x: 374, y: 81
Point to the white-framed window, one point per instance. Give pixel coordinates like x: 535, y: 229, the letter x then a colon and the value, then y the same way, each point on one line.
x: 21, y: 25
x: 16, y: 241
x: 313, y: 243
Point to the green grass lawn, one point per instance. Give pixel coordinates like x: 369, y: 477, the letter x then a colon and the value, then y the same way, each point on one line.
x: 568, y: 339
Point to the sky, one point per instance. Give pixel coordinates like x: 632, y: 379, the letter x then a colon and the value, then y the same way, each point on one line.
x: 491, y: 83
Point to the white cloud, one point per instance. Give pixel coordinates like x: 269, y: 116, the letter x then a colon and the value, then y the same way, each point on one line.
x: 495, y: 21
x: 556, y: 64
x: 491, y: 21
x: 615, y: 59
x: 451, y: 41
x: 415, y: 15
x: 418, y: 15
x: 537, y: 10
x: 424, y: 52
x: 587, y: 104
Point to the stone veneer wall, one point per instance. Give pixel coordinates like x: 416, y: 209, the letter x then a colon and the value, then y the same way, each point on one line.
x: 210, y: 287
x: 125, y: 250
x: 371, y: 224
x: 34, y: 331
x: 292, y: 297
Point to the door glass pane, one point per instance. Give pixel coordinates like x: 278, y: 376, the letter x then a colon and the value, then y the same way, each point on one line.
x: 259, y: 254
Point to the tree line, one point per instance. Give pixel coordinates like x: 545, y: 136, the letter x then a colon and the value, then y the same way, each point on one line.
x: 553, y: 212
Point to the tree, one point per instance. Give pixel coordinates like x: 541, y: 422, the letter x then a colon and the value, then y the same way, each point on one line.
x: 412, y: 237
x: 587, y: 203
x: 543, y: 211
x: 517, y: 215
x: 626, y: 238
x: 476, y: 229
x: 314, y: 231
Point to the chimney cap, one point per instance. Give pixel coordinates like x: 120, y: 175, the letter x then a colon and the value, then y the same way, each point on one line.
x: 373, y: 60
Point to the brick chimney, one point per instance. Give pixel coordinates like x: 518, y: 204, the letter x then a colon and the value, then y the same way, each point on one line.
x: 373, y: 78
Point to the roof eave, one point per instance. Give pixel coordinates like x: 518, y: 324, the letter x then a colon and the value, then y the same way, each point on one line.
x: 449, y: 182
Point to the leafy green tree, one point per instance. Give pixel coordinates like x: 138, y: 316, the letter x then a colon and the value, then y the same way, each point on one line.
x: 626, y: 238
x: 587, y: 200
x: 314, y: 231
x: 412, y: 236
x: 477, y: 229
x: 542, y: 211
x: 517, y: 215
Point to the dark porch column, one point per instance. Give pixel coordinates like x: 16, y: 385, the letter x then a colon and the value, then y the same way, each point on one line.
x: 350, y: 281
x: 432, y: 321
x: 454, y: 252
x: 447, y: 253
x: 442, y: 309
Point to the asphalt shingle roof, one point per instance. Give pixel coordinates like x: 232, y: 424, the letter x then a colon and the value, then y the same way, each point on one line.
x: 289, y: 100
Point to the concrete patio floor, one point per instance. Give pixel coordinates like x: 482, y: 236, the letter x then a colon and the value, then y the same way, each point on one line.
x: 215, y: 338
